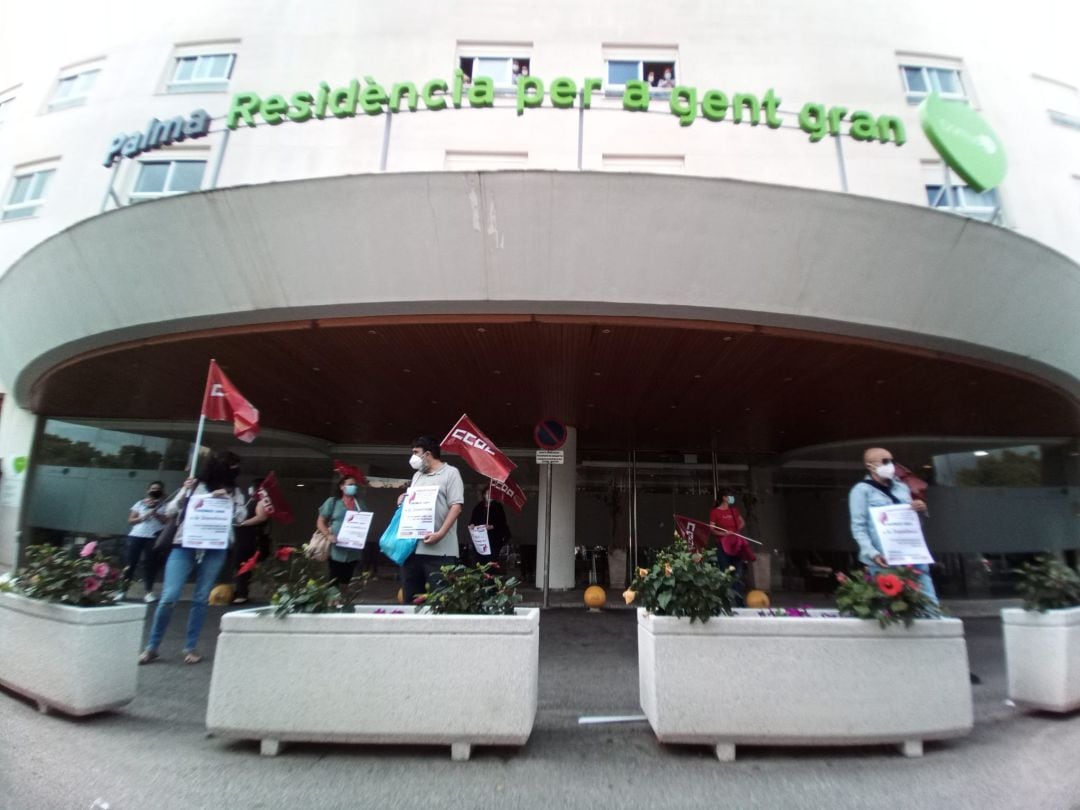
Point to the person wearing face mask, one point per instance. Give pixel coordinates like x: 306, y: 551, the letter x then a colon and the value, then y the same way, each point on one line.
x: 440, y: 547
x: 147, y: 519
x: 342, y: 562
x: 251, y: 537
x: 217, y: 480
x: 880, y: 488
x: 731, y: 551
x: 668, y: 80
x: 490, y: 513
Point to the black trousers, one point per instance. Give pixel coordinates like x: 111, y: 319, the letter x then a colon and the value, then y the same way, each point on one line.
x: 342, y: 572
x: 420, y: 570
x: 134, y: 548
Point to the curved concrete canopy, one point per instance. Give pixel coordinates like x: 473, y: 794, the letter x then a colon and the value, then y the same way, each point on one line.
x: 543, y: 243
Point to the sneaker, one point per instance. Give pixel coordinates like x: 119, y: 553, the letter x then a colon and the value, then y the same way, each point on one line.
x: 240, y: 600
x: 150, y: 597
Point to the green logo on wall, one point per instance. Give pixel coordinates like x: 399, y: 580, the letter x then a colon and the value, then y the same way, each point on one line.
x: 965, y: 141
x: 19, y: 464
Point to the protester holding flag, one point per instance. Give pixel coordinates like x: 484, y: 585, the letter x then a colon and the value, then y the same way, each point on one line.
x: 217, y: 480
x: 439, y: 547
x: 346, y: 498
x: 491, y: 514
x: 731, y: 551
x: 252, y: 538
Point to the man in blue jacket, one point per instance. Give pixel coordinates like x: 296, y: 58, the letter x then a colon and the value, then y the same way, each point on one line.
x: 880, y: 488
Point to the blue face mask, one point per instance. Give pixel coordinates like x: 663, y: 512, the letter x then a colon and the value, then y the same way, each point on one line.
x: 731, y: 499
x: 350, y: 489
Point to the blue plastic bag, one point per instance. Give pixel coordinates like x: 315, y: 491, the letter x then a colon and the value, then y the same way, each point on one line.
x: 398, y: 549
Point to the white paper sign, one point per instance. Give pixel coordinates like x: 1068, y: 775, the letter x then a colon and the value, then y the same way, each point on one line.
x: 900, y: 534
x: 480, y: 540
x: 418, y: 512
x: 207, y: 522
x: 354, y: 530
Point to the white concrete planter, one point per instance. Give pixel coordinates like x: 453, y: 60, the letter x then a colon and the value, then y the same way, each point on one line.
x: 1042, y: 658
x: 751, y: 680
x: 73, y: 659
x: 376, y: 678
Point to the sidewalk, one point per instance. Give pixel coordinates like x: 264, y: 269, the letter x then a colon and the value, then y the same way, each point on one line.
x: 155, y: 753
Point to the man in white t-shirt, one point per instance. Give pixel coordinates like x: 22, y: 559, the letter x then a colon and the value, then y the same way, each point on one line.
x: 440, y: 547
x: 147, y: 519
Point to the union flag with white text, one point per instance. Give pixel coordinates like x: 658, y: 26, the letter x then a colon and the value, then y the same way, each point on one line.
x: 479, y: 452
x: 508, y: 492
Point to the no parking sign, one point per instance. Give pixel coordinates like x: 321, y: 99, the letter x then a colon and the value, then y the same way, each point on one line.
x: 549, y: 434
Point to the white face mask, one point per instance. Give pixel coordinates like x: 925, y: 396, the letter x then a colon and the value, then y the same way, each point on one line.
x: 886, y: 471
x: 416, y: 462
x: 731, y: 499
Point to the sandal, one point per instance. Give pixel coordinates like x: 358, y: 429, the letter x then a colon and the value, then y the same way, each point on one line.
x: 148, y: 657
x: 192, y: 657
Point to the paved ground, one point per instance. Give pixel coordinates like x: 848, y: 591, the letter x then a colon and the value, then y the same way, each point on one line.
x: 155, y: 752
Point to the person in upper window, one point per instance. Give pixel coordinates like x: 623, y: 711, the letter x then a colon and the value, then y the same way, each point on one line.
x: 669, y: 78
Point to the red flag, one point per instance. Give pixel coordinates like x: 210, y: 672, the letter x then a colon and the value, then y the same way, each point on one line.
x: 222, y: 402
x: 273, y: 500
x: 508, y: 492
x: 349, y: 471
x: 917, y: 486
x: 478, y: 450
x: 696, y: 533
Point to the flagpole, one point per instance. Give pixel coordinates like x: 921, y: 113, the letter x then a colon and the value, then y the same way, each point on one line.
x: 198, y: 443
x: 487, y: 515
x: 728, y: 531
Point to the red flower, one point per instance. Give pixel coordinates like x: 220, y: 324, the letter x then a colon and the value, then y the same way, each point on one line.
x: 285, y: 552
x: 249, y: 564
x: 890, y: 584
x: 91, y: 584
x: 840, y: 577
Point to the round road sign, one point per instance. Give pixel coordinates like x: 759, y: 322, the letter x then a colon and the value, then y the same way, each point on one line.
x: 549, y: 434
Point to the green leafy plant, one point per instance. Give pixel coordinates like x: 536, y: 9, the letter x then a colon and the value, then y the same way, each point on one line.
x: 84, y: 579
x: 299, y: 585
x: 891, y: 596
x: 476, y: 590
x: 683, y: 583
x: 1048, y: 584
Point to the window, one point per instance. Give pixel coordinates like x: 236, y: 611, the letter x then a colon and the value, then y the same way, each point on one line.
x: 920, y: 81
x: 659, y: 75
x: 73, y: 88
x: 201, y: 73
x: 27, y: 193
x: 160, y: 178
x: 981, y: 205
x: 502, y: 70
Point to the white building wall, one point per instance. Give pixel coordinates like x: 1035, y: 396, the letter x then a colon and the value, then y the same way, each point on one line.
x: 835, y: 52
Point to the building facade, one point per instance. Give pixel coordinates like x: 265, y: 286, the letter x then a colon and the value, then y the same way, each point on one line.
x: 716, y: 242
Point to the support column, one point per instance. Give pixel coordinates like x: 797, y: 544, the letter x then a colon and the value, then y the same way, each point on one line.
x: 563, y: 512
x: 17, y: 429
x: 766, y: 524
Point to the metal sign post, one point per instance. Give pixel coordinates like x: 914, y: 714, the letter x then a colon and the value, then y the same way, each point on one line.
x: 548, y: 458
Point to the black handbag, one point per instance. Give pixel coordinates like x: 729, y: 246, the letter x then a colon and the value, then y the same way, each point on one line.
x: 164, y: 540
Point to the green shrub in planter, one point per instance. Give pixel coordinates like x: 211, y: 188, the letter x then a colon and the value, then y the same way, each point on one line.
x: 1048, y: 584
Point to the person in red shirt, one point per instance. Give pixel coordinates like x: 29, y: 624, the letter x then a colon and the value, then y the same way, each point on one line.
x: 731, y: 551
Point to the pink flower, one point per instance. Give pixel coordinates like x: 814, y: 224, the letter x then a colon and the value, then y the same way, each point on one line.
x: 91, y: 584
x: 101, y: 569
x: 88, y: 549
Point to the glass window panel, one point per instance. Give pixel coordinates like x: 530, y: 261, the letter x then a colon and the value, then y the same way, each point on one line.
x: 946, y: 81
x: 935, y: 196
x: 20, y: 189
x: 916, y: 80
x: 19, y: 213
x: 218, y: 65
x: 498, y: 70
x: 39, y: 184
x: 84, y: 82
x: 187, y: 175
x: 620, y: 72
x: 979, y: 199
x: 151, y: 178
x: 64, y: 88
x: 184, y: 69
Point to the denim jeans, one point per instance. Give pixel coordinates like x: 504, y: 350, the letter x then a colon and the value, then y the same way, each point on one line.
x: 925, y: 582
x: 177, y: 570
x: 134, y: 548
x: 724, y: 562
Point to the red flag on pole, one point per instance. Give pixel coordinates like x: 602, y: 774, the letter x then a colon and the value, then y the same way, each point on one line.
x: 508, y: 492
x: 272, y: 499
x: 479, y: 452
x: 349, y: 471
x: 222, y: 402
x: 695, y: 532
